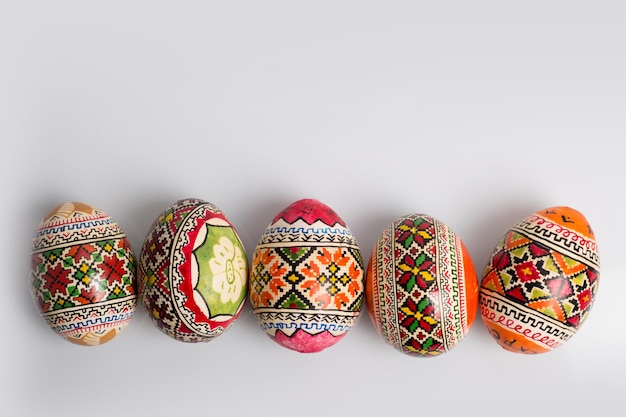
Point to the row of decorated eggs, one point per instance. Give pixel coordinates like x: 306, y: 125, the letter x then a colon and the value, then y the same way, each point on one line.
x: 307, y: 280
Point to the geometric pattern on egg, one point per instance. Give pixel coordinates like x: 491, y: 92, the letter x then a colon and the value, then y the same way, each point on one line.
x: 83, y: 274
x: 306, y: 278
x: 421, y: 287
x: 193, y: 272
x: 541, y: 281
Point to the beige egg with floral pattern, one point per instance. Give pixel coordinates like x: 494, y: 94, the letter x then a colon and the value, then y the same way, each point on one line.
x: 83, y: 274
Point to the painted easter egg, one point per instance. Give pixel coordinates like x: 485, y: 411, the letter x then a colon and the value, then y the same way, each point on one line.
x: 541, y: 281
x: 421, y: 286
x: 306, y: 279
x: 83, y: 274
x: 193, y: 272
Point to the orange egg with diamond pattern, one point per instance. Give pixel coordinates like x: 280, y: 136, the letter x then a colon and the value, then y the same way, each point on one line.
x: 541, y: 281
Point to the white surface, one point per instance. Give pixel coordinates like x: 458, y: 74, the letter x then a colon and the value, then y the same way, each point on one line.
x: 477, y: 113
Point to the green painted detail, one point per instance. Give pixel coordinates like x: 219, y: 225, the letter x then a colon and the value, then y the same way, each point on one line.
x: 84, y: 272
x: 127, y: 280
x: 571, y: 263
x: 548, y: 311
x: 52, y: 255
x: 36, y: 283
x: 61, y: 303
x: 107, y: 245
x: 357, y: 255
x: 549, y: 265
x: 423, y: 304
x: 506, y: 279
x: 519, y: 252
x: 150, y: 278
x: 410, y: 283
x: 72, y: 291
x: 537, y: 293
x: 428, y: 343
x: 117, y: 292
x: 294, y: 253
x: 222, y: 270
x: 567, y: 308
x: 579, y: 280
x: 294, y: 302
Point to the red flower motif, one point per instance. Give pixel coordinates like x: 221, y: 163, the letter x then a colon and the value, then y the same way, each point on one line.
x: 416, y: 230
x: 416, y: 271
x: 428, y: 347
x: 90, y: 296
x: 418, y: 315
x: 113, y: 269
x: 81, y: 251
x: 56, y: 279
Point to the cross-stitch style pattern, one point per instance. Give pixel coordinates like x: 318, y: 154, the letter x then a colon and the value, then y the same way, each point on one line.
x: 306, y: 278
x: 193, y: 272
x: 539, y: 285
x: 422, y: 289
x: 83, y: 274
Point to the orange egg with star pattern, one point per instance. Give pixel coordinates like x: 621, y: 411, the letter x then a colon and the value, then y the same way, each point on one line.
x: 541, y: 281
x: 421, y: 287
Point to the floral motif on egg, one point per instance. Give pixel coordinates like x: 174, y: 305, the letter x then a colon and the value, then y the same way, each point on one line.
x: 222, y: 269
x: 83, y: 274
x: 306, y: 278
x: 421, y: 287
x: 193, y: 272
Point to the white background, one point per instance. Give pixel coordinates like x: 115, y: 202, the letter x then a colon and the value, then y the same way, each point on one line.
x: 478, y: 113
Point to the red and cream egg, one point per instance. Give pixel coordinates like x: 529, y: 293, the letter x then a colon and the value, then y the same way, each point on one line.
x: 193, y: 272
x: 83, y: 274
